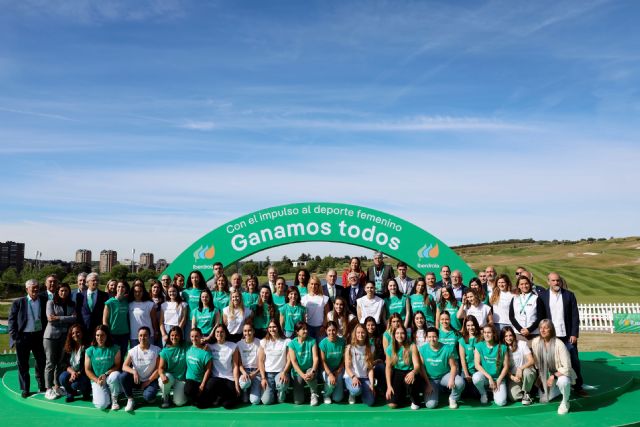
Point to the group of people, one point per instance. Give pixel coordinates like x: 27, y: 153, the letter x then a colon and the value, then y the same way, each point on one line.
x: 377, y: 336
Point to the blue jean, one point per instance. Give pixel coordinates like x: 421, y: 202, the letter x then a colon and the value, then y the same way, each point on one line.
x: 274, y: 385
x: 254, y: 392
x: 431, y: 399
x: 82, y: 384
x: 364, y: 390
x: 336, y: 392
x: 149, y: 393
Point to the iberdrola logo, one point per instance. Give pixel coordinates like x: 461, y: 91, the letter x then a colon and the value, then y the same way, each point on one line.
x: 204, y: 252
x: 431, y: 251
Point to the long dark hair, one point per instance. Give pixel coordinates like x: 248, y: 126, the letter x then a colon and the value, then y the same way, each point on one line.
x: 69, y: 344
x: 104, y: 328
x: 57, y: 300
x: 270, y: 305
x: 201, y: 283
x: 307, y: 276
x: 465, y: 331
x: 145, y: 293
x: 452, y: 299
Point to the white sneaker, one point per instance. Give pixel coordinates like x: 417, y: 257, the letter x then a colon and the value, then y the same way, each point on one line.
x: 526, y: 399
x: 484, y: 399
x: 114, y: 403
x: 314, y: 399
x: 130, y: 405
x: 60, y: 391
x: 352, y: 399
x: 327, y: 400
x: 415, y: 407
x: 563, y: 408
x: 453, y: 404
x: 165, y: 403
x: 50, y: 394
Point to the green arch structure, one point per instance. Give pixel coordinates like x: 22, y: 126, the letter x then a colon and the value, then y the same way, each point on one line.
x: 318, y: 222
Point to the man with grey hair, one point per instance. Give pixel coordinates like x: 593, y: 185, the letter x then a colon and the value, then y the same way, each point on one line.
x: 331, y: 289
x: 379, y: 273
x: 81, y: 281
x: 90, y: 306
x: 27, y: 322
x: 272, y: 276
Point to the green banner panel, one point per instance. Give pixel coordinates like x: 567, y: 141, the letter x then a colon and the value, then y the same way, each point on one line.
x: 626, y: 322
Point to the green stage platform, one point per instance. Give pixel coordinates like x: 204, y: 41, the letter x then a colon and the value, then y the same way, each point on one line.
x: 615, y: 400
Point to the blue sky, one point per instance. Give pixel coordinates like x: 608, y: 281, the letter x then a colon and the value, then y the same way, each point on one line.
x: 147, y: 124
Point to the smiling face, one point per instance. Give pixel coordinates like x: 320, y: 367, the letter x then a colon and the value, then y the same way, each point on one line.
x: 121, y: 290
x: 524, y: 285
x: 371, y: 327
x: 509, y: 338
x: 273, y: 330
x: 545, y: 331
x: 361, y: 334
x: 235, y: 299
x: 370, y: 289
x: 173, y: 293
x: 354, y: 265
x: 419, y: 319
x: 137, y: 293
x: 420, y: 287
x: 252, y: 285
x: 332, y: 333
x: 432, y: 338
x: 220, y: 335
x: 272, y: 274
x: 400, y: 335
x: 471, y: 328
x: 101, y: 338
x: 247, y: 333
x: 264, y: 294
x: 303, y: 333
x: 392, y: 286
x: 445, y: 321
x: 205, y: 298
x: 502, y: 285
x: 143, y: 337
x: 175, y: 338
x: 338, y: 306
x: 195, y: 279
x: 76, y: 334
x: 487, y: 334
x: 281, y: 286
x: 196, y: 338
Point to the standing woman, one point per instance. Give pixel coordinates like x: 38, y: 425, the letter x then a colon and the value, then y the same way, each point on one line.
x: 525, y: 310
x: 274, y: 364
x: 359, y: 367
x: 422, y: 301
x: 332, y: 358
x: 110, y: 288
x: 178, y: 280
x: 448, y: 303
x: 172, y: 369
x: 473, y: 306
x: 301, y: 281
x: 191, y: 295
x: 265, y: 311
x: 522, y: 374
x: 371, y: 305
x: 354, y: 267
x: 419, y: 329
x: 553, y: 362
x: 396, y: 302
x: 501, y: 301
x: 61, y: 314
x: 141, y: 313
x: 340, y: 314
x: 303, y: 353
x: 173, y: 312
x: 250, y: 295
x: 280, y: 293
x: 403, y: 371
x: 248, y: 348
x: 157, y: 294
x: 116, y: 316
x: 206, y: 316
x: 235, y: 316
x: 74, y: 379
x: 292, y: 312
x: 471, y: 336
x: 198, y: 385
x: 101, y: 363
x: 317, y: 306
x: 221, y: 293
x: 225, y: 372
x: 492, y: 365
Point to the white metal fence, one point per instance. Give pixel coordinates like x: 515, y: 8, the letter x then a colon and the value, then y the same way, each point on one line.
x: 599, y: 317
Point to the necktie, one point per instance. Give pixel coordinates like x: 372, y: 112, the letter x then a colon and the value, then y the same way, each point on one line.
x: 91, y: 301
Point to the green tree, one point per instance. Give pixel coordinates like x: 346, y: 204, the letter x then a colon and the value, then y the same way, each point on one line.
x: 250, y: 268
x: 146, y: 275
x: 10, y: 276
x: 49, y: 270
x: 119, y: 272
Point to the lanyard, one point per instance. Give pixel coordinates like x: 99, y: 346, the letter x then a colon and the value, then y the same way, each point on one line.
x: 523, y: 306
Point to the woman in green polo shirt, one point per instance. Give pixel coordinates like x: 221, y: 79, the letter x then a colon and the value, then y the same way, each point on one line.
x: 403, y: 371
x: 191, y: 295
x: 101, y: 364
x: 492, y: 365
x: 206, y: 316
x: 332, y: 357
x: 172, y: 369
x: 303, y: 353
x: 116, y: 317
x: 198, y: 384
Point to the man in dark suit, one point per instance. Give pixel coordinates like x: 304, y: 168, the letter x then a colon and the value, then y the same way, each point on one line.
x: 353, y: 292
x: 331, y: 289
x: 27, y: 322
x: 379, y: 273
x: 90, y: 306
x: 562, y: 308
x: 81, y: 281
x: 445, y: 274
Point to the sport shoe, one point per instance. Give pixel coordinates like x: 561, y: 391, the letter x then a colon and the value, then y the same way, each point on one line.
x: 50, y: 394
x: 165, y: 403
x: 526, y: 399
x: 453, y: 404
x: 563, y: 408
x: 114, y: 403
x: 483, y: 399
x: 314, y: 399
x: 415, y: 407
x: 130, y: 405
x: 327, y: 400
x: 352, y: 399
x: 59, y: 391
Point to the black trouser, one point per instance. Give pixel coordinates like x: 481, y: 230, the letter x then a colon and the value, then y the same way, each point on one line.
x: 192, y: 391
x: 224, y: 393
x: 400, y: 388
x: 30, y: 342
x: 575, y: 361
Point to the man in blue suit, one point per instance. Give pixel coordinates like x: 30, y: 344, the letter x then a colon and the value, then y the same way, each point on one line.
x: 353, y: 292
x: 27, y: 322
x: 562, y: 309
x: 90, y: 306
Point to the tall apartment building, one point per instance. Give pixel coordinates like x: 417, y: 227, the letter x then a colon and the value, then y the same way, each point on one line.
x: 146, y: 260
x: 11, y: 255
x: 108, y: 258
x: 161, y: 265
x: 83, y: 256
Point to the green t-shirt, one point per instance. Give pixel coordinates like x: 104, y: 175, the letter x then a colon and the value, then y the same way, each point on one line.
x: 175, y: 359
x: 417, y: 304
x: 292, y: 315
x: 449, y: 338
x: 469, y: 355
x: 262, y: 321
x: 436, y: 362
x: 118, y: 316
x: 102, y: 358
x: 303, y: 290
x: 204, y: 319
x: 387, y: 335
x: 197, y: 360
x: 400, y: 363
x: 333, y: 351
x: 489, y: 358
x: 453, y: 314
x: 395, y: 304
x: 192, y: 298
x: 303, y: 352
x: 250, y: 301
x: 279, y: 300
x: 220, y: 299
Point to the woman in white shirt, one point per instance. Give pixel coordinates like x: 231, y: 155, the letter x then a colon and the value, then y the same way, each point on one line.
x: 522, y: 374
x: 235, y: 316
x: 225, y: 373
x: 359, y: 364
x: 173, y: 312
x: 370, y: 305
x: 141, y: 313
x: 340, y: 314
x: 526, y: 311
x: 317, y: 306
x: 472, y: 306
x: 274, y: 364
x: 500, y: 301
x: 250, y: 379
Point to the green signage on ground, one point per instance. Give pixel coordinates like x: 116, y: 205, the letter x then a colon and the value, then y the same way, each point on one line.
x: 318, y: 222
x: 626, y: 322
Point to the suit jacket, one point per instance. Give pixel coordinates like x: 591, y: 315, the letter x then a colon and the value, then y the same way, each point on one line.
x: 18, y: 317
x: 89, y: 319
x: 387, y: 274
x: 67, y: 317
x: 352, y: 303
x: 410, y: 284
x: 340, y: 291
x: 570, y: 308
